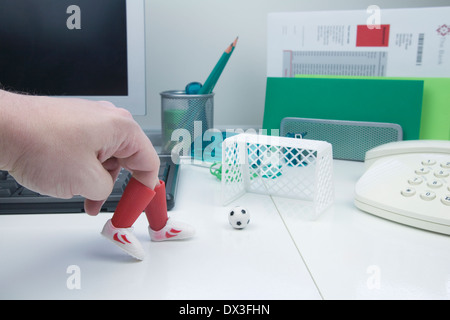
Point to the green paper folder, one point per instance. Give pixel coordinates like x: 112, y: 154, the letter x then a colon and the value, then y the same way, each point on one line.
x: 436, y: 109
x: 373, y: 100
x: 435, y: 122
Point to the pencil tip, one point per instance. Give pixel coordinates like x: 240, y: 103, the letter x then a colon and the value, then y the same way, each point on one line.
x: 231, y: 46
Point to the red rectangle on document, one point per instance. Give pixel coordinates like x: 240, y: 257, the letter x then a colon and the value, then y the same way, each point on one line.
x: 378, y: 36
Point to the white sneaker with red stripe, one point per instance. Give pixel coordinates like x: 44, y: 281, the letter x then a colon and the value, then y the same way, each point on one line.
x: 173, y: 230
x: 124, y: 239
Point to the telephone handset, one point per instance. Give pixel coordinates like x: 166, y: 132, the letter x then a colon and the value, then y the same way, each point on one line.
x: 408, y: 182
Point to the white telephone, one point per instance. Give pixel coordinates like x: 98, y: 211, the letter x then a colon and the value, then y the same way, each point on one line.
x: 408, y: 182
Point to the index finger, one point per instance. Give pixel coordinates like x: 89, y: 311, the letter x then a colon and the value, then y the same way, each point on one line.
x: 140, y: 158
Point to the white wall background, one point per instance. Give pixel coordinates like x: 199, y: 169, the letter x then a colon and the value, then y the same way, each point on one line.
x: 185, y: 38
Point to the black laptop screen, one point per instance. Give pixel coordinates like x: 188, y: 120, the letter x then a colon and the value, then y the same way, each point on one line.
x: 60, y: 47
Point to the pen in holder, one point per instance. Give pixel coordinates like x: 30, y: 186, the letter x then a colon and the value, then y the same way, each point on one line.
x: 180, y: 111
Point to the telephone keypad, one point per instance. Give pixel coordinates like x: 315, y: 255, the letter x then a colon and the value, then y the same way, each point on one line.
x: 408, y: 182
x: 436, y: 186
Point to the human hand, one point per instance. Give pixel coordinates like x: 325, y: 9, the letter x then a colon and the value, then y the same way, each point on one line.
x: 64, y: 147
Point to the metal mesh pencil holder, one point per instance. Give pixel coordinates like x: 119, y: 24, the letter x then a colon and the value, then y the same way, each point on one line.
x: 181, y: 111
x: 279, y: 166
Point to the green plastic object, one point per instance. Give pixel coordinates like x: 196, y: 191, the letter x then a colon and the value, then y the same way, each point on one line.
x: 435, y: 124
x: 375, y: 100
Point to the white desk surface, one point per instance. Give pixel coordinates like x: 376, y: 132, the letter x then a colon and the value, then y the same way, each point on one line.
x: 344, y: 254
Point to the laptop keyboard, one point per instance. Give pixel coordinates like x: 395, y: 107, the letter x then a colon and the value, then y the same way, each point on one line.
x: 16, y: 199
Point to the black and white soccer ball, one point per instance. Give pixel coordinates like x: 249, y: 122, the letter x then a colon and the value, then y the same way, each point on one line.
x: 239, y: 217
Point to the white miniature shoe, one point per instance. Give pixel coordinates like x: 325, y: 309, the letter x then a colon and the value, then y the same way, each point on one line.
x: 173, y: 230
x: 124, y: 239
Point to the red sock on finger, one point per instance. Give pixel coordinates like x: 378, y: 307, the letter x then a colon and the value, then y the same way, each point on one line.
x: 156, y: 210
x: 135, y: 199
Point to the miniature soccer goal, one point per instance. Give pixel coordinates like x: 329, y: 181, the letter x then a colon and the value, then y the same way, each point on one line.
x: 278, y: 166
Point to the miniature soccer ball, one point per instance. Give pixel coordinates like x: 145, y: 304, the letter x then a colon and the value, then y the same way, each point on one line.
x: 239, y: 217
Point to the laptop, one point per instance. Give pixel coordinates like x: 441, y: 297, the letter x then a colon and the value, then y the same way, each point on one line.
x: 92, y: 49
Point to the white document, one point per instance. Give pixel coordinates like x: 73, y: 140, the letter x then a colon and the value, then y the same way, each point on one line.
x: 407, y: 42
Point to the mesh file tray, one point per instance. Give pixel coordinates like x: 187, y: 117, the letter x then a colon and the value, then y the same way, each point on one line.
x: 279, y: 166
x: 350, y: 139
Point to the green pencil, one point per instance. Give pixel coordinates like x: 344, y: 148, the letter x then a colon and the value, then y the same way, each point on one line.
x: 211, y: 81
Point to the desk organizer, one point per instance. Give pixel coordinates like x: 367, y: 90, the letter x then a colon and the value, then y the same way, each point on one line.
x: 182, y: 111
x: 350, y: 139
x: 278, y: 166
